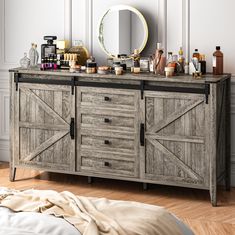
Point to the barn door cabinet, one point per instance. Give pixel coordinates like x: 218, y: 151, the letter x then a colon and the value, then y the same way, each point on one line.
x: 138, y: 128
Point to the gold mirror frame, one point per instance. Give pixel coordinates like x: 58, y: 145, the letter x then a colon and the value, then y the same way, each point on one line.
x: 122, y: 7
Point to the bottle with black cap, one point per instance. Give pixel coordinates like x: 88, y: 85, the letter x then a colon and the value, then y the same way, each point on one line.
x: 196, y: 54
x: 218, y: 62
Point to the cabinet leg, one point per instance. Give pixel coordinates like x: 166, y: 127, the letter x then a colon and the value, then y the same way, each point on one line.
x: 145, y: 186
x: 213, y: 194
x: 12, y: 173
x: 89, y: 180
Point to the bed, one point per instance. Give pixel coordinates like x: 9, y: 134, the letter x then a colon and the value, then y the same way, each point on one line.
x: 19, y: 213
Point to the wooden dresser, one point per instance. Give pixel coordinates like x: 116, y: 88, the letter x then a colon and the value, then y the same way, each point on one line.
x: 173, y: 131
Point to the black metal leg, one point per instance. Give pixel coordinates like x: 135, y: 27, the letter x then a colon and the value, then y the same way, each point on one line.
x: 12, y: 173
x: 89, y: 180
x: 145, y: 186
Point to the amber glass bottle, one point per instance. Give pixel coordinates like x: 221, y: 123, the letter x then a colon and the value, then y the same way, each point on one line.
x: 196, y: 54
x: 218, y: 62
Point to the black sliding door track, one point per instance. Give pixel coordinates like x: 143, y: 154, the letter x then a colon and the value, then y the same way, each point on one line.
x: 142, y: 86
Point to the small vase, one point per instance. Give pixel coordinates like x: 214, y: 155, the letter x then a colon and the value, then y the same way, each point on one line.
x: 25, y: 61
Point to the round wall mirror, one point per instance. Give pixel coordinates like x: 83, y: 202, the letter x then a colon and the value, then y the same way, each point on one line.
x: 121, y: 30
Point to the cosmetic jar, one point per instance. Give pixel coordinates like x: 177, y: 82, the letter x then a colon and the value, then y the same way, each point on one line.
x: 118, y: 70
x: 136, y: 69
x: 169, y: 71
x: 103, y: 70
x: 91, y: 67
x: 144, y: 64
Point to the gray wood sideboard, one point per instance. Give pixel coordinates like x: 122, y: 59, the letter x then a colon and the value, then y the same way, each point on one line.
x: 173, y: 131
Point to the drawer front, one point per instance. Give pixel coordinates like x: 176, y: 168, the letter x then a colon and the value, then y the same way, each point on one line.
x: 107, y: 98
x: 107, y: 121
x: 107, y: 166
x: 107, y: 143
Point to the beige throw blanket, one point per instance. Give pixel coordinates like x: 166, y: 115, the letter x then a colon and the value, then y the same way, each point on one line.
x: 93, y: 216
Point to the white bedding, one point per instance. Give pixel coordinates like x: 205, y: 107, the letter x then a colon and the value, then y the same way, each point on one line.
x: 31, y: 223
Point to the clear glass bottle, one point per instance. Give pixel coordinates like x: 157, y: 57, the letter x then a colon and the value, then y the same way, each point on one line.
x: 33, y: 55
x: 25, y: 61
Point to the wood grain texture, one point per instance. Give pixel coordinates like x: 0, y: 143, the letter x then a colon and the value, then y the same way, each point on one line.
x: 192, y: 206
x: 186, y: 141
x: 43, y: 127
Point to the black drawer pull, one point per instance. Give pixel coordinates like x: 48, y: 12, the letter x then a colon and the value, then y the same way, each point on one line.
x: 106, y: 98
x: 107, y: 120
x: 106, y: 164
x: 107, y: 142
x: 72, y: 128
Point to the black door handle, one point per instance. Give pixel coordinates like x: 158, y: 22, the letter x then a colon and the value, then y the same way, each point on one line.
x: 142, y: 137
x: 72, y: 128
x: 106, y: 98
x: 107, y: 120
x: 106, y: 164
x: 107, y: 142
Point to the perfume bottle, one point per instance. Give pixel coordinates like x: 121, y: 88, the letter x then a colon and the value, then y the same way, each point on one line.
x: 25, y: 61
x: 49, y: 48
x: 159, y: 60
x: 33, y: 55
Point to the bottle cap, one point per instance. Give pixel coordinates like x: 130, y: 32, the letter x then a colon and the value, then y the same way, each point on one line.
x: 218, y: 48
x: 159, y: 45
x: 196, y: 49
x: 136, y: 51
x: 170, y: 53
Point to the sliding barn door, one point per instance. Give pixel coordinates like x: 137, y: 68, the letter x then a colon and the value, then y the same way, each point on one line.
x: 43, y: 115
x: 175, y: 131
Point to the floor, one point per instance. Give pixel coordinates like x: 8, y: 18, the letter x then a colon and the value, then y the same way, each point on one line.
x: 190, y: 205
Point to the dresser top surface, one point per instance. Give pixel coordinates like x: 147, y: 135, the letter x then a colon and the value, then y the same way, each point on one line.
x: 208, y: 78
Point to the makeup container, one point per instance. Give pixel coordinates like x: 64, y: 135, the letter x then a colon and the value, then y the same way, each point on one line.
x: 118, y: 70
x: 91, y: 67
x: 144, y: 64
x: 169, y: 71
x: 103, y: 70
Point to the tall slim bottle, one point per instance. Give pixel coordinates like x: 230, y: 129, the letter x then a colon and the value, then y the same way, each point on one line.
x: 218, y: 62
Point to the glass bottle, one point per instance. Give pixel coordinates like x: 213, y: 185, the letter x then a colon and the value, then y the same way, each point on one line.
x: 218, y: 61
x: 169, y: 59
x: 196, y: 54
x: 25, y: 61
x: 181, y: 59
x: 32, y: 55
x: 159, y: 60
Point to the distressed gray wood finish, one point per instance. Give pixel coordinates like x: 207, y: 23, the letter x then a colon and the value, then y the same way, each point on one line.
x: 43, y: 127
x: 117, y: 145
x: 175, y: 138
x: 187, y: 142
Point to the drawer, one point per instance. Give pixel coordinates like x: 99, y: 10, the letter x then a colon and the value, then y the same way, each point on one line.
x: 106, y: 143
x: 107, y: 98
x: 107, y: 166
x: 107, y: 121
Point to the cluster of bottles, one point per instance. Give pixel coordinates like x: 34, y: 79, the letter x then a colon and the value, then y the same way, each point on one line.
x: 32, y: 61
x: 49, y: 62
x: 198, y: 63
x: 159, y: 64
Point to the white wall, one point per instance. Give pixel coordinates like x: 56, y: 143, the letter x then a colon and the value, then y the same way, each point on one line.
x: 26, y: 21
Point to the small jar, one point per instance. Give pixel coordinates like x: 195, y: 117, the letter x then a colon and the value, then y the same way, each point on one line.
x: 136, y: 69
x: 118, y: 70
x: 169, y: 71
x: 91, y: 67
x: 103, y: 70
x: 144, y: 64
